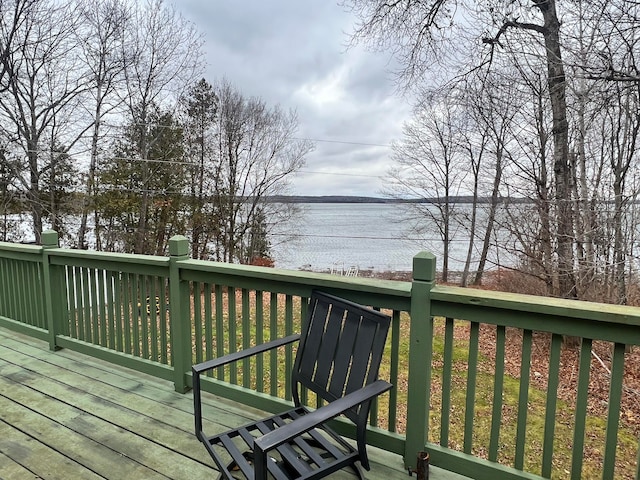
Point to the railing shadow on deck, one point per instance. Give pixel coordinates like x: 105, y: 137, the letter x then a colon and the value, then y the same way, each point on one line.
x: 480, y: 377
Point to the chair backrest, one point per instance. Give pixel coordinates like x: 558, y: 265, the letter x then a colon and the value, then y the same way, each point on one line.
x: 340, y: 348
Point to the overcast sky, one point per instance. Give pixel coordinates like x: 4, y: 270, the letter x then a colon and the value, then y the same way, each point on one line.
x: 293, y: 53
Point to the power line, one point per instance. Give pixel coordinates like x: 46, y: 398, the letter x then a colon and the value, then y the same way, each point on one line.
x: 321, y: 140
x: 340, y: 173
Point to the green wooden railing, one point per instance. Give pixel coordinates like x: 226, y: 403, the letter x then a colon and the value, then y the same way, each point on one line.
x: 467, y: 364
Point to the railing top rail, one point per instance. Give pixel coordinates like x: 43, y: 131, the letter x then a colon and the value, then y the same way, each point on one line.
x: 603, y: 312
x: 20, y: 247
x: 90, y: 255
x: 447, y: 299
x: 372, y: 286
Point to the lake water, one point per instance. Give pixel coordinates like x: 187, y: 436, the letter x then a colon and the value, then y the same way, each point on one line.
x: 369, y: 236
x: 340, y: 236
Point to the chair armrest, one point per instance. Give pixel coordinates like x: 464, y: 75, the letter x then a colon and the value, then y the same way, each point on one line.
x: 306, y: 422
x: 224, y: 360
x: 249, y: 352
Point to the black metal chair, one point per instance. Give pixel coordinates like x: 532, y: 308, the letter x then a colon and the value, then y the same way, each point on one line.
x: 338, y: 358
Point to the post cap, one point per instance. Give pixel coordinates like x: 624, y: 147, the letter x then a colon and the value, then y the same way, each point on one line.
x: 424, y: 267
x: 178, y: 246
x: 49, y: 238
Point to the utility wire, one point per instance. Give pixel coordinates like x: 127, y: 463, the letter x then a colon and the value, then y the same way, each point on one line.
x: 343, y: 142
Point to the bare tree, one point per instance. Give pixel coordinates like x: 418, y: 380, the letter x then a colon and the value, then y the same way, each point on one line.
x: 492, y: 111
x: 162, y: 58
x: 13, y: 14
x: 429, y: 166
x: 43, y: 85
x: 419, y: 31
x: 101, y: 37
x: 258, y: 153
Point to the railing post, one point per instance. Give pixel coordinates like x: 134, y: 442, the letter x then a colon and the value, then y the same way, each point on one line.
x: 49, y: 240
x: 420, y: 355
x: 179, y: 313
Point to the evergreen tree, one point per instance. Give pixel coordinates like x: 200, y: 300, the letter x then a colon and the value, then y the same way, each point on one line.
x: 158, y: 174
x: 201, y: 105
x: 59, y: 184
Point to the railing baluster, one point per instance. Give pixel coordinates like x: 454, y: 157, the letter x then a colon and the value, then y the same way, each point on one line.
x: 9, y: 286
x: 17, y: 292
x: 613, y: 414
x: 220, y: 336
x: 21, y: 300
x: 581, y: 410
x: 39, y: 295
x: 86, y: 304
x: 197, y: 320
x: 4, y: 283
x: 127, y: 307
x: 273, y: 334
x: 147, y: 312
x: 259, y: 340
x: 37, y: 292
x: 154, y: 318
x: 447, y: 365
x: 120, y: 310
x: 498, y: 389
x: 233, y: 346
x: 164, y: 318
x: 304, y: 304
x: 93, y: 305
x: 17, y: 296
x: 102, y: 305
x: 24, y: 299
x: 137, y: 316
x: 31, y: 289
x: 523, y: 398
x: 288, y: 349
x: 552, y: 401
x: 71, y: 302
x: 13, y: 310
x: 208, y: 319
x: 111, y: 309
x: 246, y: 337
x: 78, y: 302
x: 472, y: 375
x: 393, y: 370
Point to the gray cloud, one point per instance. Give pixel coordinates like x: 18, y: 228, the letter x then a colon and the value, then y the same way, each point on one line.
x: 293, y: 53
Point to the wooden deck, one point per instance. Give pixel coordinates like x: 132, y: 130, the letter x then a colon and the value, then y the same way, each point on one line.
x: 66, y: 415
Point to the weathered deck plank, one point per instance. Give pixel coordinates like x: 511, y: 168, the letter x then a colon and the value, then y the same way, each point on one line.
x: 66, y: 415
x: 10, y: 470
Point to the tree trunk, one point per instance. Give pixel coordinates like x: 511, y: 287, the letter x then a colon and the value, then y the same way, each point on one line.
x: 90, y: 191
x: 561, y: 166
x: 491, y: 218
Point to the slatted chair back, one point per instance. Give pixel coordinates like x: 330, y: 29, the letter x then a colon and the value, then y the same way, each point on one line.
x: 340, y: 350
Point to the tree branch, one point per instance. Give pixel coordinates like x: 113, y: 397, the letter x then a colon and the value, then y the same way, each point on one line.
x: 512, y: 24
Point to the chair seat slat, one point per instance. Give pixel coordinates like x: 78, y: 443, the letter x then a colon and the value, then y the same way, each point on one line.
x: 331, y: 448
x: 306, y: 449
x: 286, y: 451
x: 236, y: 455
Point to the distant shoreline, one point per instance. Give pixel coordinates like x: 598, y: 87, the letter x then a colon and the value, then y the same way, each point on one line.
x: 361, y: 199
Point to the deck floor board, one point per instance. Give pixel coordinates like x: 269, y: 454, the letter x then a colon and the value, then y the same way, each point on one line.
x: 66, y: 415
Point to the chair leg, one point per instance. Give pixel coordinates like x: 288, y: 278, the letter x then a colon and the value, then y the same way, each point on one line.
x: 358, y: 469
x: 233, y: 465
